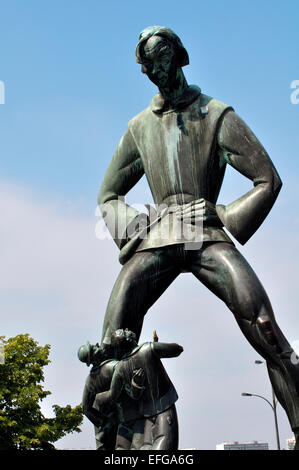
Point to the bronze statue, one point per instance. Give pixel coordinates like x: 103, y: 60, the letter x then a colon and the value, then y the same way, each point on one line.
x: 99, y: 379
x: 110, y: 421
x: 141, y: 367
x: 182, y: 142
x: 128, y: 395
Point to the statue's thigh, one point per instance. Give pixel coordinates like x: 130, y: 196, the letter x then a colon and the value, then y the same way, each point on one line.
x: 124, y: 437
x: 146, y: 275
x: 223, y: 269
x: 142, y: 280
x: 165, y: 430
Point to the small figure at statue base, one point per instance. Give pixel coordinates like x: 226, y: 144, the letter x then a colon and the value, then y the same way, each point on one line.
x: 129, y: 397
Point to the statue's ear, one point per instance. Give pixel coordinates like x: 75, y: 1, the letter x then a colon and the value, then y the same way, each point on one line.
x: 183, y: 58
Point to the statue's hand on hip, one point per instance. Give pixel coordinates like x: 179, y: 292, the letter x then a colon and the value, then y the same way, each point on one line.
x: 199, y: 211
x: 138, y: 377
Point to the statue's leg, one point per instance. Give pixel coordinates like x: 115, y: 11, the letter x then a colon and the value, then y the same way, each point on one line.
x: 148, y: 435
x: 105, y: 440
x: 227, y: 274
x: 124, y: 437
x: 140, y: 283
x: 165, y: 431
x: 138, y: 434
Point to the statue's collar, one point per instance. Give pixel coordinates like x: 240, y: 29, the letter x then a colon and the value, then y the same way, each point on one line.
x: 97, y: 367
x: 131, y: 353
x: 161, y: 106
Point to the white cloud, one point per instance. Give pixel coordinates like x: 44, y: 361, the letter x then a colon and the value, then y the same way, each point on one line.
x: 56, y: 278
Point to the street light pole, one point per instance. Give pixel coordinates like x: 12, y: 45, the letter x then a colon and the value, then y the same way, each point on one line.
x: 275, y: 419
x: 273, y: 406
x: 274, y: 400
x: 245, y: 394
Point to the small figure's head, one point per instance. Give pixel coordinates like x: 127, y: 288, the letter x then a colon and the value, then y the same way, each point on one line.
x: 123, y: 341
x: 92, y: 354
x: 161, y: 53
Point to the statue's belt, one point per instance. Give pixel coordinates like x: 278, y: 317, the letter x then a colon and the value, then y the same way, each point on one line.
x: 130, y: 247
x: 195, y: 232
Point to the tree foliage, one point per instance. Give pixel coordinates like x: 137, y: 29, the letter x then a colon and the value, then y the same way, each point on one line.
x: 22, y: 423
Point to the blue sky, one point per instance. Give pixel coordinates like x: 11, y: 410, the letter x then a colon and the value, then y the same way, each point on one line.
x: 71, y: 86
x: 72, y: 82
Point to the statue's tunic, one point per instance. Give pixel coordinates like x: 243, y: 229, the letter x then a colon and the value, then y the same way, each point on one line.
x: 98, y: 381
x: 159, y: 393
x: 183, y: 152
x: 180, y: 165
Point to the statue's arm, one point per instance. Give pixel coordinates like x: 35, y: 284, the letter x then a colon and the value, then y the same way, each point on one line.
x: 241, y: 149
x: 167, y: 349
x: 123, y: 172
x: 137, y: 388
x: 89, y: 394
x: 110, y: 396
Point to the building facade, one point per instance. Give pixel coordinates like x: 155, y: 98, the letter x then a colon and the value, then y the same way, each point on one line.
x: 254, y: 445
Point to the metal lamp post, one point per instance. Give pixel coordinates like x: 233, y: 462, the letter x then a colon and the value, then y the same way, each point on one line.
x: 273, y: 406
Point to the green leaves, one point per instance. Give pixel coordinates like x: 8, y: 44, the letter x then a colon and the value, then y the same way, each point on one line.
x: 22, y: 424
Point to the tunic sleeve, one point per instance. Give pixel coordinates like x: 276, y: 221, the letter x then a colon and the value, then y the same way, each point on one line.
x: 241, y: 149
x: 124, y: 171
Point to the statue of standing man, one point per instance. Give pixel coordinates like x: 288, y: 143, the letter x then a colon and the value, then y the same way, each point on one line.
x: 182, y: 142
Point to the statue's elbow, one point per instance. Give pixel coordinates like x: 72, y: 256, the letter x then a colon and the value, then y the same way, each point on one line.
x: 277, y: 184
x: 103, y: 196
x: 100, y: 200
x: 107, y: 194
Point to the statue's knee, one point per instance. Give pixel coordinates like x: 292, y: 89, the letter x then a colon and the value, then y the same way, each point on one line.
x: 266, y: 328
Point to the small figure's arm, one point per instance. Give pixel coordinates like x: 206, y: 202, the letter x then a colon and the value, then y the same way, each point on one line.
x: 89, y: 395
x: 167, y: 349
x: 134, y: 390
x: 110, y: 395
x: 241, y: 149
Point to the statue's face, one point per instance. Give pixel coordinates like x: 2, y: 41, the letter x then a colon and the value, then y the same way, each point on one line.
x: 96, y: 354
x: 118, y: 343
x: 159, y: 62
